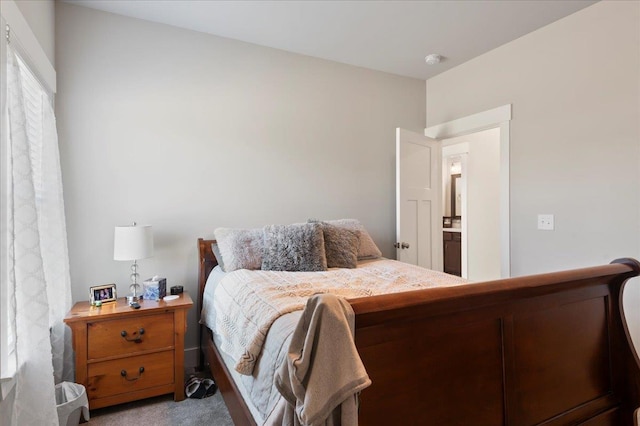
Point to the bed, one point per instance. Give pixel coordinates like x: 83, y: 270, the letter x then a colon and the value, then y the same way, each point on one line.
x: 549, y: 349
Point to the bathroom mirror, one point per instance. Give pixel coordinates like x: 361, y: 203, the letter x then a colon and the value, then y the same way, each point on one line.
x: 456, y: 196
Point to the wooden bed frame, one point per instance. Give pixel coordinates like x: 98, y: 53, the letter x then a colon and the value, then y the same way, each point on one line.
x: 550, y: 349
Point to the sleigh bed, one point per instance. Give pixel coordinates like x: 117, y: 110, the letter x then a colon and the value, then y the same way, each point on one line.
x: 550, y: 349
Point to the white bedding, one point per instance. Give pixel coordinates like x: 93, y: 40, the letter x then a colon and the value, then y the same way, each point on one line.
x: 247, y: 302
x: 258, y: 390
x: 254, y: 313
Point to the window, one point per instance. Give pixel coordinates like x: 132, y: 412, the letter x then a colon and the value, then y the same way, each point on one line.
x: 7, y: 340
x: 35, y: 94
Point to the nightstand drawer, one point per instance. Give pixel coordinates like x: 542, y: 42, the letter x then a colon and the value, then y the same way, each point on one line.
x: 124, y: 375
x: 130, y: 335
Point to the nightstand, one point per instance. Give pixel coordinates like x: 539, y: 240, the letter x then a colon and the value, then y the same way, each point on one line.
x: 124, y: 354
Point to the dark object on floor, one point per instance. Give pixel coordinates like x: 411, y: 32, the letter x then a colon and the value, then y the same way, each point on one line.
x: 199, y: 388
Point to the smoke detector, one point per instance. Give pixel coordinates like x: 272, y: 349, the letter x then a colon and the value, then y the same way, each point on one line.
x: 433, y: 59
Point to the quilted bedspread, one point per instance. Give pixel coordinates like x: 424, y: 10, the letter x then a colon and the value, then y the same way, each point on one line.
x: 247, y: 302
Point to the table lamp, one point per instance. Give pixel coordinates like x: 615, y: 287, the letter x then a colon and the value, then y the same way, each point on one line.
x: 133, y: 242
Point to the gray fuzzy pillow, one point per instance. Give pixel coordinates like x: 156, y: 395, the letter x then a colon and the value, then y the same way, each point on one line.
x: 240, y: 248
x: 297, y: 247
x: 340, y: 246
x: 368, y: 249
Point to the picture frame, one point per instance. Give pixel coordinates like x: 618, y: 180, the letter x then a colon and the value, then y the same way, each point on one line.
x: 103, y: 293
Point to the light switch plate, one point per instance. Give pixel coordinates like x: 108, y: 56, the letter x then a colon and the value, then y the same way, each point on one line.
x: 545, y: 222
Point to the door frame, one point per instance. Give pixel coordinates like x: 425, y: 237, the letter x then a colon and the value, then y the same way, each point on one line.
x: 499, y: 117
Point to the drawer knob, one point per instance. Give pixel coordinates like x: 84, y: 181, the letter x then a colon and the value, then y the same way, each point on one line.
x: 135, y: 338
x: 123, y: 373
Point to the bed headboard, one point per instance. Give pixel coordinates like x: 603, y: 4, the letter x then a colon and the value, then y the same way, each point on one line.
x: 208, y: 261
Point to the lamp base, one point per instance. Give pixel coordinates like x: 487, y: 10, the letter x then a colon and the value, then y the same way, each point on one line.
x: 132, y: 298
x: 135, y: 296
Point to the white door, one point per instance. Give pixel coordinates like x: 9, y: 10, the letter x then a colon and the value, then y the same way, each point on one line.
x: 418, y: 200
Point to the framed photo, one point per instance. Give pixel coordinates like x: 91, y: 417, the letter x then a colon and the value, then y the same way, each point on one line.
x: 103, y: 293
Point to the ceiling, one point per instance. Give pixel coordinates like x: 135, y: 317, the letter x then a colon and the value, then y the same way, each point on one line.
x: 390, y: 36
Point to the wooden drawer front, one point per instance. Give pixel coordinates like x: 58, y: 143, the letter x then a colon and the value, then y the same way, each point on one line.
x: 105, y: 337
x: 106, y: 378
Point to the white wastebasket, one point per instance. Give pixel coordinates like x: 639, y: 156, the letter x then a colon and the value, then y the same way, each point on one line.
x: 71, y: 401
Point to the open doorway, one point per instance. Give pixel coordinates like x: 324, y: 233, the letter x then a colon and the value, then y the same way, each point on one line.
x: 450, y: 133
x: 471, y: 205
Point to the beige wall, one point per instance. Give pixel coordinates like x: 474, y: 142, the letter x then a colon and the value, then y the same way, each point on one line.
x: 483, y: 194
x: 187, y: 132
x: 575, y: 135
x: 40, y: 15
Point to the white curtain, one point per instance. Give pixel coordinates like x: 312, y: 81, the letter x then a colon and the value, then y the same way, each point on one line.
x: 39, y: 284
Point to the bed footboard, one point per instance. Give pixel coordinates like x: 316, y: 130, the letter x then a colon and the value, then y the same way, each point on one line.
x: 549, y: 349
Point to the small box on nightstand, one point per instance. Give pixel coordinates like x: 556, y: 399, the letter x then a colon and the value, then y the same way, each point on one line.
x: 154, y: 288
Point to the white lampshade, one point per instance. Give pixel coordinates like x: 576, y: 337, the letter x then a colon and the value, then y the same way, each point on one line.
x: 132, y: 242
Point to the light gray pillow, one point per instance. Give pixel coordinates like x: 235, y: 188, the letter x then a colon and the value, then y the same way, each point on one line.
x: 297, y: 247
x: 368, y: 248
x: 340, y: 246
x: 240, y: 248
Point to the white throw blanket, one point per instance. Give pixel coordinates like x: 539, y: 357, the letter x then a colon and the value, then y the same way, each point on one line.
x: 248, y: 302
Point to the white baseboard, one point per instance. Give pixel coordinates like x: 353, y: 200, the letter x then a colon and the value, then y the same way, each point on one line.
x: 191, y: 357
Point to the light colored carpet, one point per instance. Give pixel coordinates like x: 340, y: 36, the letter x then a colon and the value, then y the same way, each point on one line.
x: 164, y: 411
